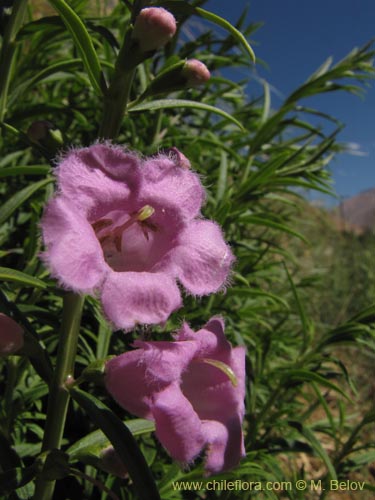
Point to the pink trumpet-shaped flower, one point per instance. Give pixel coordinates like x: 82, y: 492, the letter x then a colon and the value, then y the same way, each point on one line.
x: 11, y: 335
x: 129, y: 228
x: 193, y: 388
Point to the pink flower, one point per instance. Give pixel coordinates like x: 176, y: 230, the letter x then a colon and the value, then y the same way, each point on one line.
x: 192, y: 388
x: 128, y: 229
x: 11, y: 335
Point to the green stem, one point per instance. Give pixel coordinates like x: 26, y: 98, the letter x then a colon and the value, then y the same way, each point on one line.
x: 117, y: 96
x: 12, y: 365
x: 115, y: 104
x: 59, y: 396
x: 7, y: 51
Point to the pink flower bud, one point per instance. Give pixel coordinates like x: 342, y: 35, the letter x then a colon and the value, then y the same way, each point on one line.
x: 153, y: 28
x: 177, y: 157
x: 11, y: 335
x: 195, y: 72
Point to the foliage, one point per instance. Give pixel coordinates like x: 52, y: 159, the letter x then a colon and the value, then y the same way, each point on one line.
x: 254, y: 161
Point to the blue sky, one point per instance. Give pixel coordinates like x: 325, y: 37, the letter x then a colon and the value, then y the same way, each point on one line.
x: 297, y: 37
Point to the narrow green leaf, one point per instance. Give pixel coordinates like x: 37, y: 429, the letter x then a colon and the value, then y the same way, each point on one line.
x: 9, y: 458
x: 266, y: 103
x: 253, y: 292
x: 320, y: 451
x: 185, y: 8
x: 302, y: 375
x: 69, y: 65
x: 306, y: 325
x: 325, y: 406
x: 266, y: 222
x: 27, y: 170
x: 83, y: 43
x: 182, y: 103
x: 97, y: 440
x: 321, y: 70
x: 13, y: 479
x: 23, y: 279
x: 222, y: 179
x: 223, y: 23
x: 122, y: 441
x: 20, y: 197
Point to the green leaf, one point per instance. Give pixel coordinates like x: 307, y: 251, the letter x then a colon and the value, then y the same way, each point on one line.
x: 122, y: 440
x: 28, y: 170
x: 83, y: 43
x: 69, y: 65
x: 23, y: 279
x: 185, y: 8
x: 261, y: 220
x: 266, y: 103
x: 253, y: 292
x: 223, y: 23
x: 320, y: 451
x: 20, y: 197
x: 97, y: 440
x: 222, y: 178
x: 13, y: 479
x: 302, y: 375
x: 306, y: 324
x: 182, y: 103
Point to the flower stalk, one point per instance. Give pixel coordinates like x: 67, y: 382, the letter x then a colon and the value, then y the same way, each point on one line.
x: 153, y: 28
x: 59, y: 396
x: 115, y: 104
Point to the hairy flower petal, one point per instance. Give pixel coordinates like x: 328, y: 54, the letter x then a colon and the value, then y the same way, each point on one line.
x: 202, y: 258
x: 135, y: 397
x: 139, y: 297
x: 98, y: 174
x: 178, y: 427
x: 154, y: 365
x: 172, y: 186
x: 74, y: 253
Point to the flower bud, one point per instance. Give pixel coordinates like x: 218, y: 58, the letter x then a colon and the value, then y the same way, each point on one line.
x: 39, y: 130
x: 11, y: 335
x: 178, y: 158
x: 195, y: 72
x: 179, y: 76
x: 45, y: 134
x: 153, y: 28
x: 110, y: 462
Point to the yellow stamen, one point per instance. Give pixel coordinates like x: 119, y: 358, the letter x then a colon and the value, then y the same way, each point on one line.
x: 145, y: 212
x: 224, y: 368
